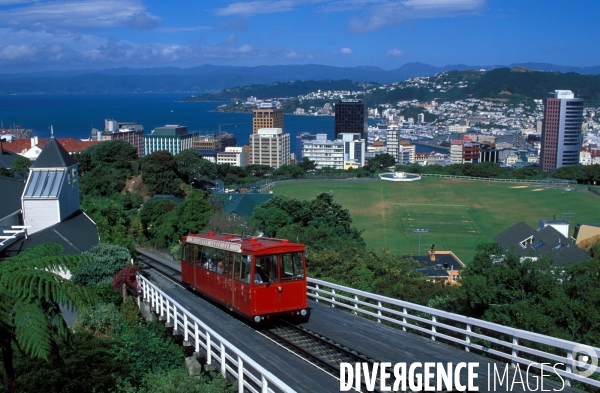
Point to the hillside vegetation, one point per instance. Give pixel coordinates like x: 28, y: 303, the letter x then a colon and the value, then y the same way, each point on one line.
x: 514, y: 85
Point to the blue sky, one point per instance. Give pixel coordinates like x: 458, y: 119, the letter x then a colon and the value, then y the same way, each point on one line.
x: 100, y: 34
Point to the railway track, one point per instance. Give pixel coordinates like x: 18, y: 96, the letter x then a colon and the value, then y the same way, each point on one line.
x: 321, y: 351
x: 317, y: 349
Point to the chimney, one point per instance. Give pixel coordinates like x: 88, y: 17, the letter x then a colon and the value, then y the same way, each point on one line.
x: 34, y: 141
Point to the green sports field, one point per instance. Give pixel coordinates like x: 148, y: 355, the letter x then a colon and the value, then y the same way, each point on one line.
x: 459, y: 214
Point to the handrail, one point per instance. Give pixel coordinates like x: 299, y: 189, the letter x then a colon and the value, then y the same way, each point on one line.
x: 251, y: 376
x: 507, y: 343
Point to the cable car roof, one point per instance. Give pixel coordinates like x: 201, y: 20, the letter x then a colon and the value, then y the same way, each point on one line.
x: 243, y: 244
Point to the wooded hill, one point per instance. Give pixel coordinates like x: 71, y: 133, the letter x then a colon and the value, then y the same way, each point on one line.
x: 515, y: 85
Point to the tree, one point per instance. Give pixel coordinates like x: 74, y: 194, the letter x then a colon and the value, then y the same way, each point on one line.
x: 293, y: 171
x: 188, y: 164
x: 30, y: 294
x: 107, y: 260
x: 307, y: 165
x: 159, y: 172
x: 20, y: 167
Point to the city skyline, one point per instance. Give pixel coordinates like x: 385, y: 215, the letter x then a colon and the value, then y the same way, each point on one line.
x: 93, y: 34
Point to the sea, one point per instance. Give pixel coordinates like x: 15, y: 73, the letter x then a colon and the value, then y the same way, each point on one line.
x: 74, y: 115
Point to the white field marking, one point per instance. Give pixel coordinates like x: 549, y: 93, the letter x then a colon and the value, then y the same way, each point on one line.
x: 538, y: 189
x: 427, y: 204
x: 520, y: 187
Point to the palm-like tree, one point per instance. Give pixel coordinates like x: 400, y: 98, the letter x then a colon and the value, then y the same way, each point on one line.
x: 30, y: 293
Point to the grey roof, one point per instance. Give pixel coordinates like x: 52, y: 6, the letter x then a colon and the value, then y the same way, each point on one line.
x: 545, y: 242
x: 54, y: 156
x: 7, y: 158
x: 437, y: 268
x: 76, y: 234
x: 12, y: 189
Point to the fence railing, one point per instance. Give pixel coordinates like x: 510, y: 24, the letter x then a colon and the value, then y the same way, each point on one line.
x: 510, y: 345
x: 551, y: 182
x: 251, y: 376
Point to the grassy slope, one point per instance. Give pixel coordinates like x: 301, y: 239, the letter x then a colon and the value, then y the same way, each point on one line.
x: 458, y: 213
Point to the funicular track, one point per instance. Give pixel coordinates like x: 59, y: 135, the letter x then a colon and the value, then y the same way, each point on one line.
x: 317, y: 349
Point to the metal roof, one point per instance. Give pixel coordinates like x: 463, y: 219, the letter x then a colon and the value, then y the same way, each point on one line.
x: 54, y: 156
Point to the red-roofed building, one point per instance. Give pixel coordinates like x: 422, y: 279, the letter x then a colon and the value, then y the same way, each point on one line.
x: 32, y: 147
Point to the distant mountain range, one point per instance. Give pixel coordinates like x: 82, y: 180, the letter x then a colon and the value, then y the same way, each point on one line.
x: 210, y: 78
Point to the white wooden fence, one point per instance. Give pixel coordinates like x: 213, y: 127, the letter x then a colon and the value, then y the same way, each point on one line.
x: 251, y: 376
x: 513, y: 346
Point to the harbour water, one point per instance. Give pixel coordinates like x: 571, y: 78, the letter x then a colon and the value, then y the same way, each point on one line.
x: 74, y: 115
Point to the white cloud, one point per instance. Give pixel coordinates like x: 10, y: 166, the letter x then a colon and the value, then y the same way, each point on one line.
x: 394, y: 53
x: 17, y: 52
x: 251, y: 8
x: 345, y: 51
x: 70, y: 15
x: 395, y: 12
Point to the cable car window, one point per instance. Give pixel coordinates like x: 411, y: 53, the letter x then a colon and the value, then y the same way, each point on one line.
x: 266, y: 268
x: 242, y: 267
x: 200, y: 255
x: 185, y: 252
x: 221, y: 254
x: 209, y: 257
x: 292, y: 267
x: 228, y: 264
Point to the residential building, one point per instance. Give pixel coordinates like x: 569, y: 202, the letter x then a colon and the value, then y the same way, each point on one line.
x: 325, y: 153
x: 440, y: 266
x: 351, y: 117
x: 267, y: 115
x: 270, y: 146
x: 234, y: 156
x: 561, y: 130
x: 354, y: 148
x: 172, y: 138
x: 300, y: 138
x: 32, y: 147
x: 547, y: 241
x: 46, y: 207
x: 393, y: 140
x: 406, y: 146
x: 464, y: 151
x: 589, y: 155
x: 456, y: 152
x: 130, y: 132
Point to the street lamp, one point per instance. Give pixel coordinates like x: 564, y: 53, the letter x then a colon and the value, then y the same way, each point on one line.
x: 419, y: 233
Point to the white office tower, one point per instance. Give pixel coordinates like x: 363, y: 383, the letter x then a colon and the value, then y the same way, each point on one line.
x: 270, y: 146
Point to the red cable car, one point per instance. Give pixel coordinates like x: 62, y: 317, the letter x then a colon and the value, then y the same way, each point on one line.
x: 259, y: 278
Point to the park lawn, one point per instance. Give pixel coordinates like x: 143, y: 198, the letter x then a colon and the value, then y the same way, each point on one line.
x: 459, y: 214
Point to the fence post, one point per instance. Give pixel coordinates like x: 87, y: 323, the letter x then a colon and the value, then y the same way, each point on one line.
x: 468, y: 338
x: 515, y: 351
x: 404, y: 318
x: 355, y: 304
x: 433, y: 329
x: 208, y: 349
x: 240, y: 374
x: 379, y: 311
x: 569, y: 367
x: 168, y: 313
x: 264, y: 384
x: 197, y: 337
x: 332, y: 297
x: 223, y: 360
x: 185, y: 327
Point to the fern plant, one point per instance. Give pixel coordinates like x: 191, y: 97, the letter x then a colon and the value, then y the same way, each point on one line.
x: 31, y: 290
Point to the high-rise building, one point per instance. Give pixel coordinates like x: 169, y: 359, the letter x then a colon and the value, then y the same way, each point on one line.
x: 130, y: 132
x: 267, y: 116
x: 561, y: 130
x: 354, y: 148
x: 351, y: 117
x: 325, y: 153
x: 269, y: 146
x: 172, y: 138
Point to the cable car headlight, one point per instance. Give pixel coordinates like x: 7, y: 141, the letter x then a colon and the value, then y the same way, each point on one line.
x: 303, y: 313
x: 257, y: 319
